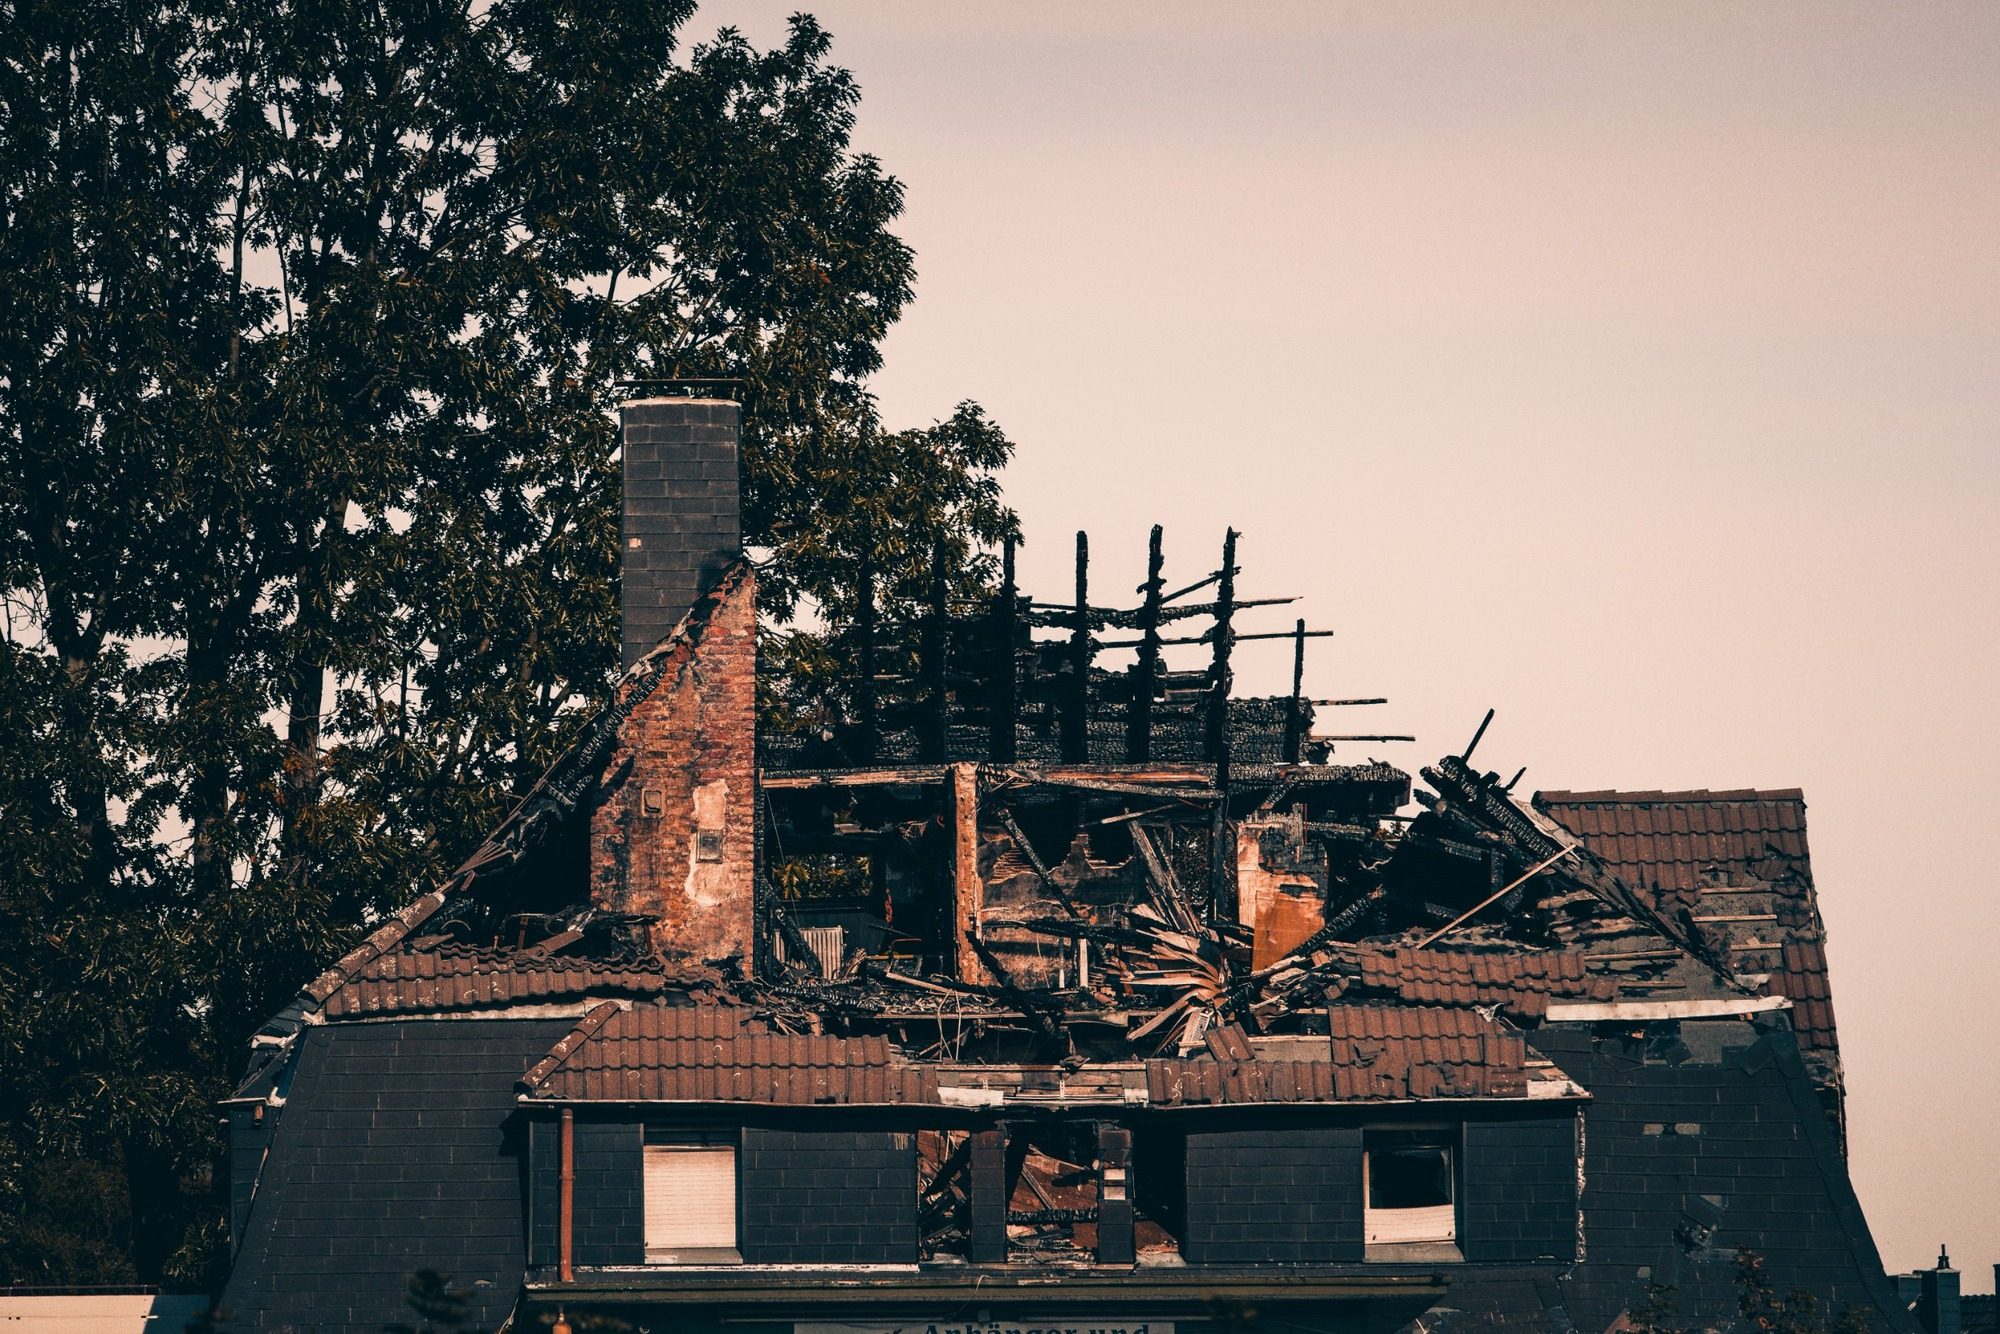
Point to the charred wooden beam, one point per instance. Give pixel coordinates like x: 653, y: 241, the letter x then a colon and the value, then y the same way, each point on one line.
x: 968, y: 890
x: 1146, y: 673
x: 1222, y: 855
x: 1006, y: 705
x: 1076, y: 706
x: 1216, y: 741
x: 1295, y: 713
x: 1208, y: 636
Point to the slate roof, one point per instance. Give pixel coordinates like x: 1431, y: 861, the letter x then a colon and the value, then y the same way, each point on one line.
x: 719, y: 1054
x: 1374, y: 1053
x: 461, y: 978
x: 398, y: 1149
x: 1686, y: 1161
x: 1522, y: 982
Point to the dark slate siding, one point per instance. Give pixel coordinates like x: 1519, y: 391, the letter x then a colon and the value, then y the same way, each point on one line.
x: 544, y: 1190
x: 399, y: 1148
x: 609, y: 1195
x: 1274, y: 1196
x: 1685, y: 1163
x: 829, y: 1197
x: 1519, y: 1190
x: 249, y: 1137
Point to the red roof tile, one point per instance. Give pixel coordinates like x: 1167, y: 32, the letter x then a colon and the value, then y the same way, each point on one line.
x: 418, y: 982
x: 1735, y: 837
x: 1675, y: 840
x: 1375, y: 1053
x: 712, y: 1053
x: 1521, y: 982
x: 1803, y: 979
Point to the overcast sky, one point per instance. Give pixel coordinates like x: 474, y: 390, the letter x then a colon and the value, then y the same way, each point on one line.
x: 1629, y: 369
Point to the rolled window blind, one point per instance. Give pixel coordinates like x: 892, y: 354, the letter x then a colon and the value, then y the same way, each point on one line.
x: 690, y: 1197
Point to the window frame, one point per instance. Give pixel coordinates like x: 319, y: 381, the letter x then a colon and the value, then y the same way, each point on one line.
x: 659, y: 1142
x: 1448, y: 1136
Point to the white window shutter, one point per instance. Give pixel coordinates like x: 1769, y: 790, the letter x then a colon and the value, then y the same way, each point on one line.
x: 1430, y: 1223
x: 690, y: 1197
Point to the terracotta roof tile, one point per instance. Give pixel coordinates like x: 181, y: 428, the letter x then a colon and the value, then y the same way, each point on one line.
x: 1520, y: 982
x: 1735, y: 837
x: 1674, y: 840
x: 433, y: 981
x: 713, y: 1053
x: 1375, y: 1053
x: 1803, y: 979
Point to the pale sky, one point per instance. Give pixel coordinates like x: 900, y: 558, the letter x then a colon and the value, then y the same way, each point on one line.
x: 1627, y: 368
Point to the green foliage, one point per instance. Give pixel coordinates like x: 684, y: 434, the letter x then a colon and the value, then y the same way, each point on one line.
x: 1756, y: 1301
x: 1800, y: 1313
x: 442, y: 1306
x: 308, y: 490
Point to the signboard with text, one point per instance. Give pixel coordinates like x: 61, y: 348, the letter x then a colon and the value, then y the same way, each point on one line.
x: 1069, y: 1325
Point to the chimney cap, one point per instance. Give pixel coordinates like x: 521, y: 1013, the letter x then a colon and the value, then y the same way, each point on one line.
x: 708, y: 387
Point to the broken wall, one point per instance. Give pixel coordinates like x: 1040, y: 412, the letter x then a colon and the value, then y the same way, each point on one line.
x: 673, y: 833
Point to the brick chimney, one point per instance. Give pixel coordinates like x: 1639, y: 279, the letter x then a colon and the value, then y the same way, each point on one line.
x: 673, y: 835
x: 683, y: 518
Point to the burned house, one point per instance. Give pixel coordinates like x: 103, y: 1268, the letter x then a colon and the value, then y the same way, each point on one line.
x: 1052, y: 988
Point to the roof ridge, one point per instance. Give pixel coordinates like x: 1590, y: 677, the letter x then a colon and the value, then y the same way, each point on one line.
x: 1655, y: 796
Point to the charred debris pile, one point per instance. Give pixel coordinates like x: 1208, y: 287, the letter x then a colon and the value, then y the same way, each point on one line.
x: 1013, y: 853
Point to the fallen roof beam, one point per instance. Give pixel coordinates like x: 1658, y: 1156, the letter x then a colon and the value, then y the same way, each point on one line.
x: 782, y: 780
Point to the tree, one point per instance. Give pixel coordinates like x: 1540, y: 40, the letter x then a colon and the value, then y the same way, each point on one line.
x: 308, y: 486
x: 1757, y: 1302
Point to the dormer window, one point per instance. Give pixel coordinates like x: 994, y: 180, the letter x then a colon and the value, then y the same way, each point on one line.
x: 1410, y: 1182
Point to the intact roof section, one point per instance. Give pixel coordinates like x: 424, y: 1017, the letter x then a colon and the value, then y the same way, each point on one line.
x: 460, y: 978
x: 1687, y: 840
x: 1803, y: 980
x: 395, y: 1152
x: 720, y: 1054
x: 1521, y: 982
x: 1374, y: 1053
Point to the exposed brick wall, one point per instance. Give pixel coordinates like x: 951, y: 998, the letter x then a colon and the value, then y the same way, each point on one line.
x: 829, y: 1196
x: 609, y: 1197
x: 1519, y: 1190
x: 673, y: 834
x: 1274, y: 1196
x: 682, y: 514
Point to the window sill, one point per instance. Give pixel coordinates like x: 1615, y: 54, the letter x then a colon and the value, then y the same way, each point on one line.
x: 696, y: 1256
x: 1412, y: 1253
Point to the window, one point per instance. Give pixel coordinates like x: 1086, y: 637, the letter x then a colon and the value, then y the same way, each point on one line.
x: 1409, y: 1177
x: 691, y: 1204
